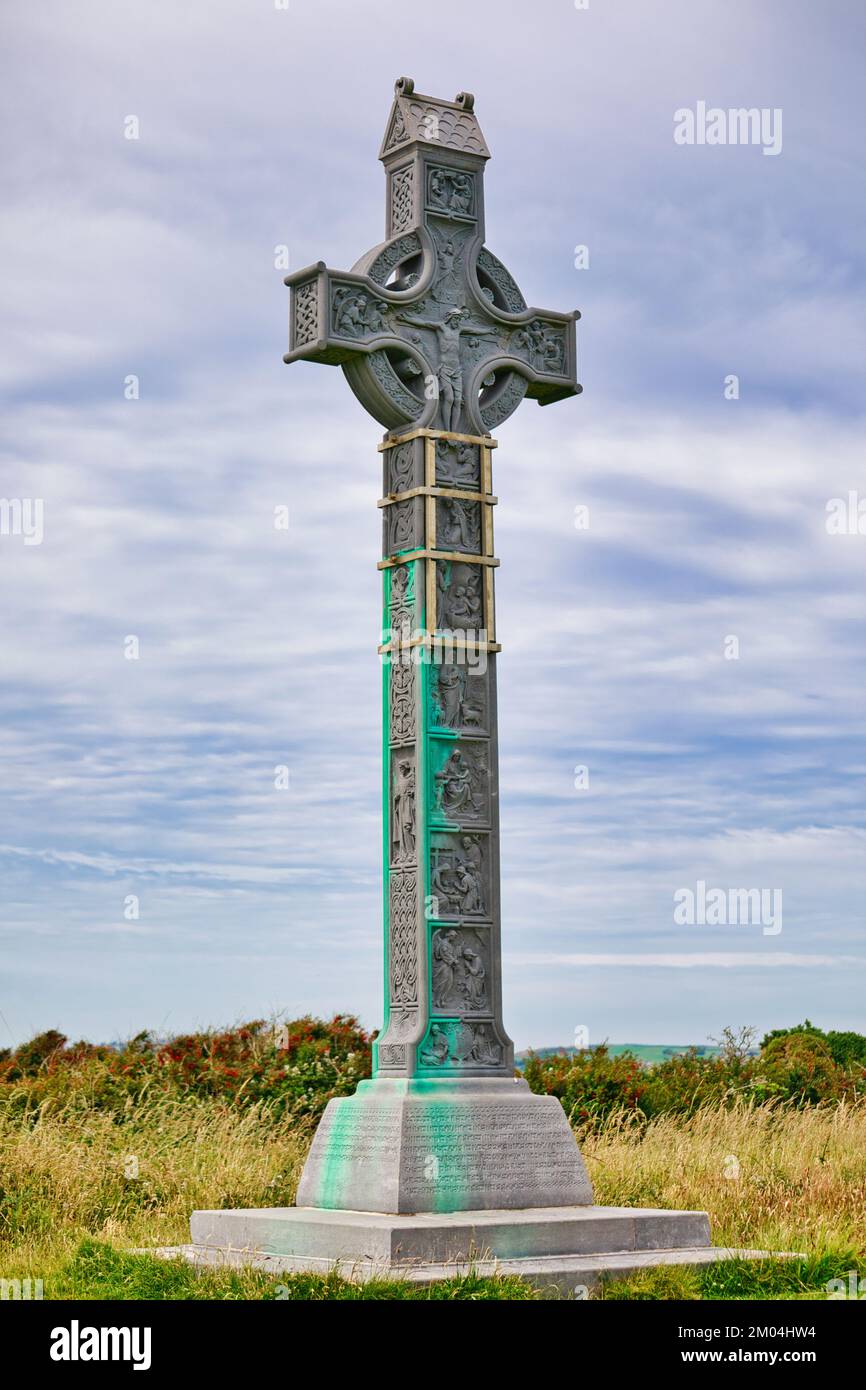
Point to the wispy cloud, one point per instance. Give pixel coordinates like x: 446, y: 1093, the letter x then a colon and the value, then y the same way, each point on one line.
x: 703, y: 960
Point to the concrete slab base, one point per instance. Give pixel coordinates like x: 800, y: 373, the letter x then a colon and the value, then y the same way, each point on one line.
x: 563, y: 1251
x: 448, y: 1237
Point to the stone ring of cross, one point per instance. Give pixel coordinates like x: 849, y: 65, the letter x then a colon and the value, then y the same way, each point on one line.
x: 429, y: 327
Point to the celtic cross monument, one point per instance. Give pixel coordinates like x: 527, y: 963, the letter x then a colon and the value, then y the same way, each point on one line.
x: 437, y: 342
x: 444, y: 1155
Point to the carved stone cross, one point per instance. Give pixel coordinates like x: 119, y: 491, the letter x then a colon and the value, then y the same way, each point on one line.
x: 429, y: 327
x: 437, y: 342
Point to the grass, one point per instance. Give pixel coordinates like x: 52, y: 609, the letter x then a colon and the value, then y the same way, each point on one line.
x: 739, y: 1280
x: 98, y: 1270
x: 81, y: 1190
x: 771, y: 1177
x: 69, y: 1174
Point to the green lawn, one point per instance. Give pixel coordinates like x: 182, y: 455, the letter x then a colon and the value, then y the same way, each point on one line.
x: 97, y: 1270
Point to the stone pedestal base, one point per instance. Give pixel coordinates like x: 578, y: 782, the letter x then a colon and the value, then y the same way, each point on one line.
x: 444, y: 1146
x: 390, y: 1242
x: 562, y: 1251
x: 423, y: 1180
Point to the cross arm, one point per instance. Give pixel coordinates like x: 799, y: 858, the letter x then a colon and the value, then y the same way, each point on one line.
x: 543, y: 347
x: 351, y: 320
x: 334, y: 315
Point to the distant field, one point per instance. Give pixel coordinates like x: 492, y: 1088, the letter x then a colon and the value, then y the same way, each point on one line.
x: 648, y: 1053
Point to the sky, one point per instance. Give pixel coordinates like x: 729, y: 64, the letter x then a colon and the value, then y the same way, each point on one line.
x: 734, y: 763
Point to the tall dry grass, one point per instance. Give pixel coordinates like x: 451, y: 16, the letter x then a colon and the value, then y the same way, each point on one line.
x: 65, y: 1175
x: 133, y: 1179
x: 771, y: 1177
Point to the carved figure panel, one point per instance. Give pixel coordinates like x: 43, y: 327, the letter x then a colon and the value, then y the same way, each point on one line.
x: 401, y: 613
x: 459, y: 597
x: 461, y: 970
x: 403, y: 807
x: 461, y: 780
x: 449, y: 287
x: 454, y: 1043
x: 402, y: 592
x: 450, y: 191
x: 543, y: 346
x: 459, y: 874
x: 458, y: 698
x: 355, y: 313
x: 402, y: 1022
x: 458, y: 525
x: 458, y: 465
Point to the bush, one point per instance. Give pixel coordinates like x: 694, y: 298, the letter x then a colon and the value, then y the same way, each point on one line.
x: 801, y: 1066
x: 293, y: 1068
x: 589, y: 1084
x: 848, y: 1049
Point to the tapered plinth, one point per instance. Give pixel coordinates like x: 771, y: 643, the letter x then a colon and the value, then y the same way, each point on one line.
x: 444, y: 1145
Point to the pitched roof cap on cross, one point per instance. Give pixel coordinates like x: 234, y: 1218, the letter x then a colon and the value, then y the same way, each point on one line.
x: 414, y: 117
